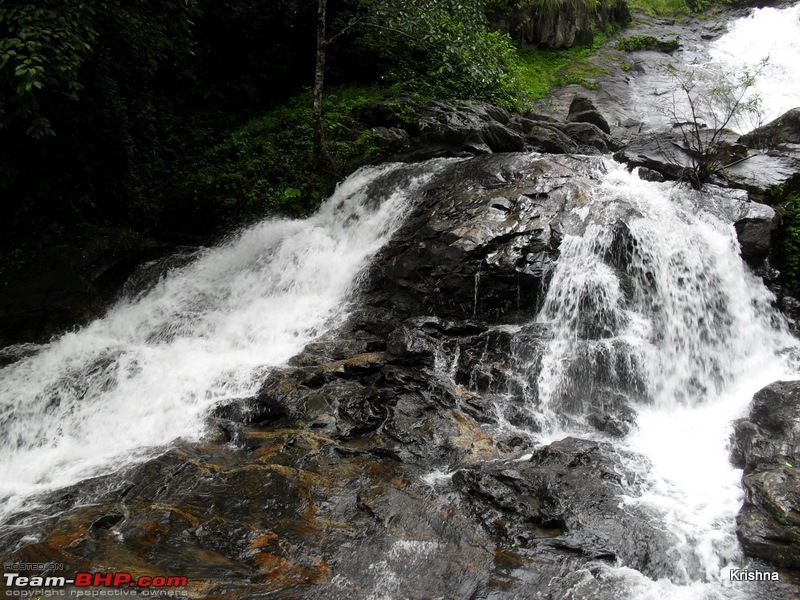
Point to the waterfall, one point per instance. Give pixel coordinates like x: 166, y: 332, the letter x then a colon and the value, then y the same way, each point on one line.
x: 774, y: 34
x: 650, y: 303
x: 147, y: 373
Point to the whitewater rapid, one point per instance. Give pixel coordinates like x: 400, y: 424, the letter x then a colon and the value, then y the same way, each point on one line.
x: 687, y: 334
x: 147, y: 373
x: 766, y: 33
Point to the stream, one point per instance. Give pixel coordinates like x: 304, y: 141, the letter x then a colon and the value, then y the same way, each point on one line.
x: 397, y: 419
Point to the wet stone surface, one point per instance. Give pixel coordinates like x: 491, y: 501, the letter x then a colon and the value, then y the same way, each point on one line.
x: 375, y: 461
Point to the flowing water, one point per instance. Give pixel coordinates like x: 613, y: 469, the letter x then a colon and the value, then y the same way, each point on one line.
x: 148, y: 372
x: 649, y: 303
x: 774, y: 34
x: 651, y: 300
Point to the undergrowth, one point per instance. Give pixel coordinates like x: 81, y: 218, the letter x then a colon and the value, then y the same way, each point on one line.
x: 538, y: 71
x: 265, y: 166
x: 788, y: 244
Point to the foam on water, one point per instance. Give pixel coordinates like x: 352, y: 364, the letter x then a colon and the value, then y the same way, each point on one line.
x: 766, y: 32
x: 148, y: 372
x: 687, y: 334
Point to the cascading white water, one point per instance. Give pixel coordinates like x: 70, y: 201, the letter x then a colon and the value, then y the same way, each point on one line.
x: 772, y: 33
x: 652, y: 300
x: 147, y: 372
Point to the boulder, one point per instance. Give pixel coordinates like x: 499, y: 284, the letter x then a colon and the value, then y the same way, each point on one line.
x: 568, y: 495
x: 767, y: 445
x: 483, y: 242
x: 755, y: 237
x: 581, y: 110
x: 463, y: 128
x: 783, y: 130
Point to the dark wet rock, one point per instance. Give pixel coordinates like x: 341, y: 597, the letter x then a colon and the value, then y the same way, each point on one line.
x: 790, y: 306
x: 676, y: 157
x: 783, y: 130
x: 147, y: 275
x: 483, y: 241
x: 460, y: 129
x: 591, y: 135
x: 582, y: 110
x: 612, y: 415
x: 391, y: 140
x: 755, y: 237
x: 567, y: 25
x: 446, y: 129
x: 545, y: 136
x: 291, y: 514
x: 772, y: 430
x: 767, y: 445
x: 659, y: 152
x: 649, y: 174
x: 763, y: 172
x: 568, y: 495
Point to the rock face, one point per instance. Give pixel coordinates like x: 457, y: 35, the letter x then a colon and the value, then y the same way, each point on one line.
x: 783, y: 130
x: 483, y: 241
x: 567, y: 496
x: 371, y: 459
x: 581, y: 110
x: 570, y: 24
x: 767, y: 446
x: 459, y: 129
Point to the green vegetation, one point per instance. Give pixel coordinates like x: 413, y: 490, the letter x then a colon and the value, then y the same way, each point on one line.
x: 266, y: 166
x: 538, y: 71
x: 674, y: 8
x: 661, y: 7
x: 188, y: 117
x: 788, y: 243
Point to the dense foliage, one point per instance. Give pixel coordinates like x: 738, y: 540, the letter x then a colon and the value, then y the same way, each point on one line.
x: 102, y: 102
x: 193, y: 115
x: 788, y: 243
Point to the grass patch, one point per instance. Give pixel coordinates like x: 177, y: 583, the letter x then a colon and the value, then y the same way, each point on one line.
x: 675, y: 8
x: 539, y: 71
x: 661, y: 8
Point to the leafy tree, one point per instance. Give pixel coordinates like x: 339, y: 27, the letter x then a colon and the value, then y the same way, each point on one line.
x: 83, y: 86
x: 443, y: 48
x: 42, y: 48
x: 703, y: 107
x: 434, y: 47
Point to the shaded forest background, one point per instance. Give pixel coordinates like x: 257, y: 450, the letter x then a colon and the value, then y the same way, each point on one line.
x: 128, y: 128
x: 185, y: 117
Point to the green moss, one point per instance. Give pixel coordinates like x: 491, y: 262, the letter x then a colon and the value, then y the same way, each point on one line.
x: 538, y: 71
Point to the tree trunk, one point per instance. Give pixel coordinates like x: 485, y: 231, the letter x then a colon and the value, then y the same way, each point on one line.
x: 321, y: 157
